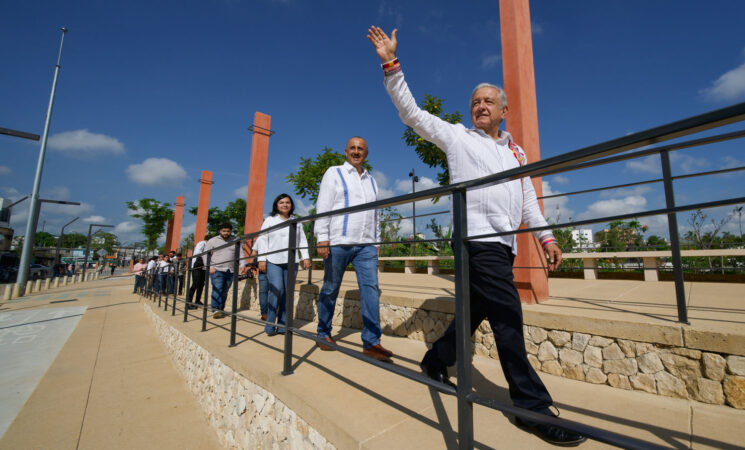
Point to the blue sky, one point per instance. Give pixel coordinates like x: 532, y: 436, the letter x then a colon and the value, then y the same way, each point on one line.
x: 151, y: 93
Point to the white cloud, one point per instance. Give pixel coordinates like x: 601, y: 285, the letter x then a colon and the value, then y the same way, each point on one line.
x: 612, y: 207
x: 125, y: 227
x: 301, y: 209
x: 241, y: 192
x: 157, y: 172
x: 94, y: 219
x: 625, y: 192
x: 424, y: 183
x: 84, y: 144
x: 5, y: 170
x: 489, y: 61
x: 382, y: 180
x: 689, y: 164
x: 728, y: 87
x: 648, y: 164
x: 555, y: 209
x: 558, y: 179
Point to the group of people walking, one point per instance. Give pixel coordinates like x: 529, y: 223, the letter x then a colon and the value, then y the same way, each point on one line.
x: 162, y: 274
x: 353, y: 239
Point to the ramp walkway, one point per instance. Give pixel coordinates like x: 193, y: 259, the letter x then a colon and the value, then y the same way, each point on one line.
x: 113, y: 385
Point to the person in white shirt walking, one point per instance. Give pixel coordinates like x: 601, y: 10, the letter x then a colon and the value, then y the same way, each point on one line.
x: 354, y: 238
x: 475, y: 153
x: 221, y: 267
x: 275, y: 264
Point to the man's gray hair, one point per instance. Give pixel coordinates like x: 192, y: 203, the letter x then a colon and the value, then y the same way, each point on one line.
x: 500, y: 93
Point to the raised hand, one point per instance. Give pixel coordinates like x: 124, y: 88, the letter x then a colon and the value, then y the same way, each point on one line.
x: 384, y: 46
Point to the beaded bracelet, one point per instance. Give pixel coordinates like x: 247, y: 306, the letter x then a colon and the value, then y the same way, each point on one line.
x: 391, y: 67
x: 548, y: 241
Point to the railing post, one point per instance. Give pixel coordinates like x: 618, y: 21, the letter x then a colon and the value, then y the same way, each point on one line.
x: 234, y: 307
x: 187, y: 304
x: 175, y: 286
x: 462, y: 320
x: 206, y: 290
x: 158, y: 271
x: 311, y: 247
x: 168, y: 282
x: 672, y: 225
x: 290, y: 296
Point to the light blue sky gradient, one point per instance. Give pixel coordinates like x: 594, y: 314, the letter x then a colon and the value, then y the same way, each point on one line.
x: 180, y: 82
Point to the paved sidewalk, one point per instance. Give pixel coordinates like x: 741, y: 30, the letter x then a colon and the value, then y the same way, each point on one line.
x: 111, y: 386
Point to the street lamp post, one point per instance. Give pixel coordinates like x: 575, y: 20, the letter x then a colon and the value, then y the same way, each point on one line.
x: 88, y: 243
x: 414, y: 179
x: 59, y: 240
x: 33, y: 215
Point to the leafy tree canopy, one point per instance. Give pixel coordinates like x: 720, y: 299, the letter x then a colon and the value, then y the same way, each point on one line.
x: 154, y: 216
x: 44, y: 239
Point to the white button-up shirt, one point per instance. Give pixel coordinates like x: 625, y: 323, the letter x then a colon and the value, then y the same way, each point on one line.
x: 343, y: 187
x: 277, y: 240
x: 471, y: 154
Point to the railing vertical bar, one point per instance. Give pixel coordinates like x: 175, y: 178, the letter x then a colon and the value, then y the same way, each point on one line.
x: 311, y: 247
x: 168, y: 283
x: 206, y: 289
x: 290, y: 296
x: 176, y: 281
x: 234, y: 306
x: 462, y: 320
x: 672, y: 224
x: 186, y: 292
x: 160, y: 288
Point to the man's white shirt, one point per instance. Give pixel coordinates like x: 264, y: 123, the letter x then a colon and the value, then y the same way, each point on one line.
x: 472, y: 154
x: 343, y: 187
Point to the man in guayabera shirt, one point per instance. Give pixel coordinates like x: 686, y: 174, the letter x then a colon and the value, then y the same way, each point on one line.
x: 221, y: 267
x: 474, y: 153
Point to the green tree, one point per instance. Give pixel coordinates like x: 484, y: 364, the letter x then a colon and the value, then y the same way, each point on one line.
x: 621, y: 236
x: 44, y: 239
x: 154, y: 216
x: 307, y: 180
x: 104, y: 240
x: 188, y: 241
x: 564, y: 239
x: 74, y: 240
x: 428, y: 152
x: 655, y: 242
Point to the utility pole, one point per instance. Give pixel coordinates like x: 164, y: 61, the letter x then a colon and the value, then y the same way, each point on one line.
x: 33, y: 215
x: 414, y: 179
x: 88, y: 244
x: 59, y: 241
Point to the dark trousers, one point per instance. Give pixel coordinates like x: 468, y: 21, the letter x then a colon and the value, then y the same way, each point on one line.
x: 494, y: 297
x: 197, y: 285
x: 181, y: 284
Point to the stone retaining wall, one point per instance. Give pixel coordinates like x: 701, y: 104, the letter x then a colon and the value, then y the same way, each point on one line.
x: 655, y: 368
x: 243, y: 413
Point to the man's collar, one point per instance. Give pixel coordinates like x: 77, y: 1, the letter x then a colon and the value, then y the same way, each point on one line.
x: 350, y: 168
x: 504, y: 136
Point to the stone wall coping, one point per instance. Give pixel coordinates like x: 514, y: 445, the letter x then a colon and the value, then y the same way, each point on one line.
x: 655, y: 254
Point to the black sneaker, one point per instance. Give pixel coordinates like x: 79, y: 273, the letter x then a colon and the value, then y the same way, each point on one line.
x: 550, y: 433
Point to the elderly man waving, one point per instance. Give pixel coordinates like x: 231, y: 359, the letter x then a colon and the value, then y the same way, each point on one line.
x: 474, y: 153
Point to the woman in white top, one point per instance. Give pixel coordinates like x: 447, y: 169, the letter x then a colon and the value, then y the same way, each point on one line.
x: 275, y: 264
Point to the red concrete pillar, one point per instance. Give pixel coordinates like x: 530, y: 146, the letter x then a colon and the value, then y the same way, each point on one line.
x: 257, y: 172
x: 178, y: 217
x: 204, y: 205
x: 522, y: 123
x: 169, y: 235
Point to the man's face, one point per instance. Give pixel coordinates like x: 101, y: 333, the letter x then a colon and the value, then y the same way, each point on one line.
x: 225, y: 233
x: 487, y: 111
x: 356, y: 151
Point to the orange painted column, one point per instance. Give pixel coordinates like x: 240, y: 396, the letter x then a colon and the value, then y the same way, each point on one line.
x: 257, y: 172
x: 522, y: 123
x: 178, y: 217
x: 169, y: 235
x: 204, y: 205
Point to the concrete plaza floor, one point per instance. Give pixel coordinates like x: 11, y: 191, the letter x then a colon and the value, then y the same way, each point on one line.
x: 112, y: 384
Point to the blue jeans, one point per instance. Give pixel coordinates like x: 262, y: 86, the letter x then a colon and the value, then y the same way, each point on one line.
x: 139, y: 282
x: 166, y: 283
x: 263, y: 291
x: 221, y: 282
x: 364, y: 259
x: 276, y: 274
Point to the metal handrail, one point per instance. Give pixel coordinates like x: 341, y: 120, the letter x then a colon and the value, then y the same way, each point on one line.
x: 589, y: 156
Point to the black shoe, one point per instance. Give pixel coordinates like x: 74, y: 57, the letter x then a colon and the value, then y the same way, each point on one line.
x: 435, y: 370
x: 551, y: 433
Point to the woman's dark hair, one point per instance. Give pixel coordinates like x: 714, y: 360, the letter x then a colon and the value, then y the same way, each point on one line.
x: 275, y: 211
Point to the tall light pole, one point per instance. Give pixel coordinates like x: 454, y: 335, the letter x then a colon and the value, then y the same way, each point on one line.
x: 59, y: 241
x: 414, y: 179
x: 33, y: 213
x: 88, y: 243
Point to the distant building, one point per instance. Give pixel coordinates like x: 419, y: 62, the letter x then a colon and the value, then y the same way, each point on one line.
x: 583, y: 238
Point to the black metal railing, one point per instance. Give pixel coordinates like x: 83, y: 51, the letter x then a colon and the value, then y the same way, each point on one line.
x: 595, y: 155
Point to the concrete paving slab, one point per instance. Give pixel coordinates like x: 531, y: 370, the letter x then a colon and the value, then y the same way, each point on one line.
x: 29, y: 341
